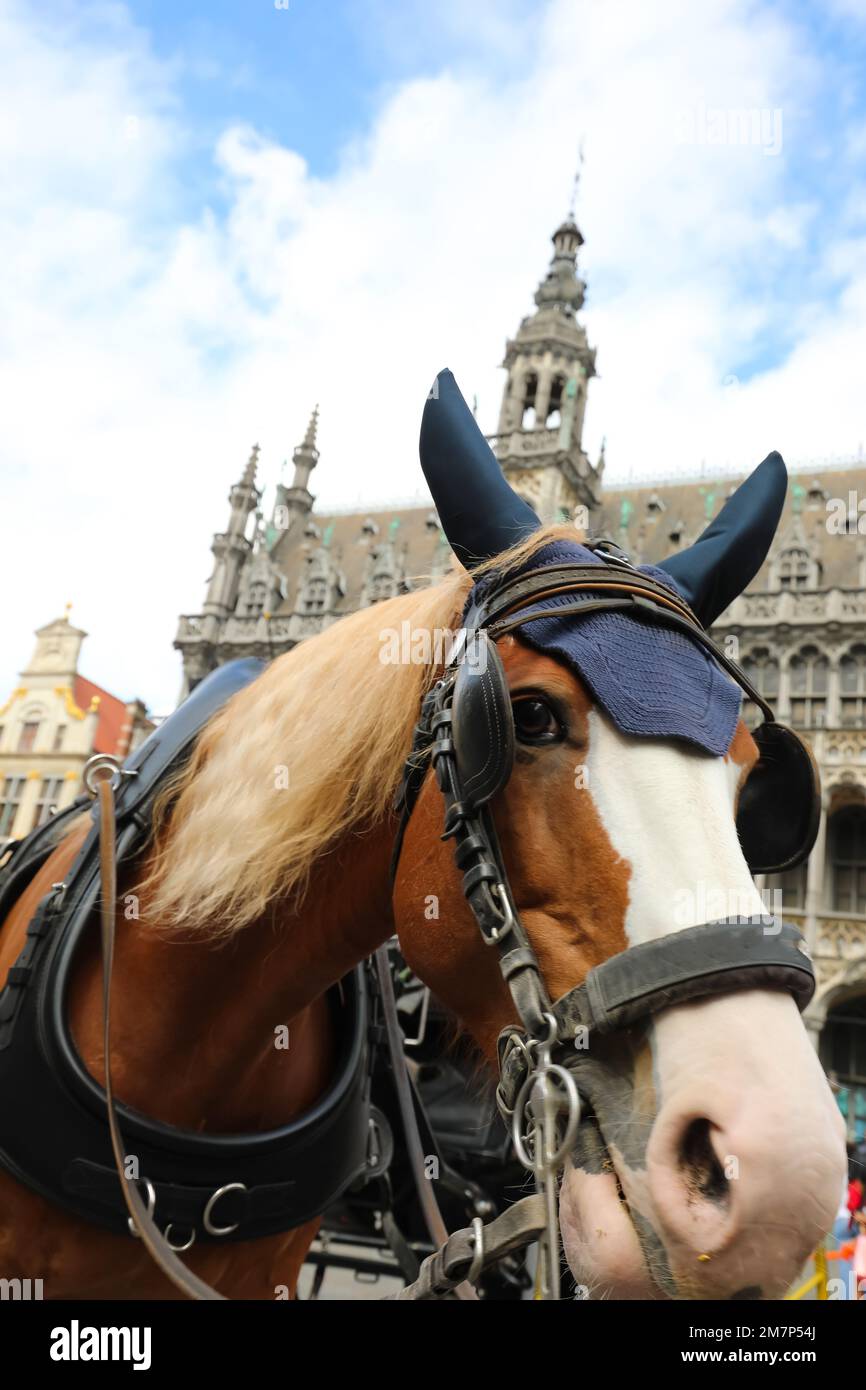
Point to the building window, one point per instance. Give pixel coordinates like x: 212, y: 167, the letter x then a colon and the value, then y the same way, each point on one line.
x: 13, y: 788
x: 792, y: 886
x: 762, y: 669
x: 527, y: 421
x: 59, y: 735
x: 381, y: 587
x: 794, y: 569
x: 842, y: 1050
x: 816, y: 495
x: 28, y: 735
x: 314, y: 596
x: 843, y: 1041
x: 257, y: 598
x: 848, y: 857
x: 852, y: 687
x: 808, y: 688
x: 554, y: 409
x: 49, y: 795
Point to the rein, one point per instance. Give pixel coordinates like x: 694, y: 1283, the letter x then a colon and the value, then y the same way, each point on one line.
x: 141, y: 1221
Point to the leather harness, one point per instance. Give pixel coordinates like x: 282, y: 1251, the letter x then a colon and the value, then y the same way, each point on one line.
x: 53, y: 1135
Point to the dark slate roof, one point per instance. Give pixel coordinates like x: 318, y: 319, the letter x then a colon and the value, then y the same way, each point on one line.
x: 641, y: 517
x: 631, y: 515
x: 416, y: 546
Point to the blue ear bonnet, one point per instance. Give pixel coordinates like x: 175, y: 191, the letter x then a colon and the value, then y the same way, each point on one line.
x: 651, y: 681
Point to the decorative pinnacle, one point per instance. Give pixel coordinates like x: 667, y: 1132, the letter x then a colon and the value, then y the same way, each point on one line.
x: 250, y: 470
x: 310, y: 436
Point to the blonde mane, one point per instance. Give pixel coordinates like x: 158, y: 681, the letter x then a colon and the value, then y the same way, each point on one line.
x: 313, y: 749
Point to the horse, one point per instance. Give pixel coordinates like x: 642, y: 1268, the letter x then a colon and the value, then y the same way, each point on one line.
x: 711, y: 1160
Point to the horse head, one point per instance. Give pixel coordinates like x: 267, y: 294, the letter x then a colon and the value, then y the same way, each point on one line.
x: 606, y: 757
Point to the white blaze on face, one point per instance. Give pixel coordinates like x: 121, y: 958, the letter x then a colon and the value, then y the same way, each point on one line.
x: 741, y: 1154
x: 668, y: 811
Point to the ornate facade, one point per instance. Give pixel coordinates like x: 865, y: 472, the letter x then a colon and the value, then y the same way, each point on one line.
x: 274, y: 585
x: 800, y: 630
x: 50, y: 725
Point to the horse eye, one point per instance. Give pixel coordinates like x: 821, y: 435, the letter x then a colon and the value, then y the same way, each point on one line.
x: 535, y: 722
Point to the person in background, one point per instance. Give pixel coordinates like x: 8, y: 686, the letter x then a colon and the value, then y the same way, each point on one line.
x: 859, y: 1263
x: 855, y: 1200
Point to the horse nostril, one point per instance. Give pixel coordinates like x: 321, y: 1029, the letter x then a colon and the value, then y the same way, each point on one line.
x: 700, y: 1165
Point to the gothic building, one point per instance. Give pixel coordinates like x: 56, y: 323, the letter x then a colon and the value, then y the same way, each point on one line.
x: 800, y: 630
x: 272, y: 585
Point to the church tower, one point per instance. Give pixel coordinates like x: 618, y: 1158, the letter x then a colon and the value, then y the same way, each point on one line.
x: 549, y: 365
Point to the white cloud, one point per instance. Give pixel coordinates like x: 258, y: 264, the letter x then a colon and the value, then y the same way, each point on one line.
x: 144, y: 349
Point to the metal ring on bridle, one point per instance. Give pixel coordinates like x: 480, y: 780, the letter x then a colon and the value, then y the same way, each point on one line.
x: 551, y: 1037
x: 150, y: 1192
x: 178, y: 1249
x: 101, y: 762
x: 477, y: 1264
x: 572, y: 1096
x: 211, y: 1229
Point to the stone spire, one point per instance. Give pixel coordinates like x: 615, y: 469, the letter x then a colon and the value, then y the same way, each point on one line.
x: 199, y: 636
x: 297, y: 501
x: 310, y: 437
x: 305, y: 457
x: 230, y: 550
x: 249, y: 476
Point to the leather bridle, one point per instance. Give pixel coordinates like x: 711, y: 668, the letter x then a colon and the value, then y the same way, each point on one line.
x: 710, y: 959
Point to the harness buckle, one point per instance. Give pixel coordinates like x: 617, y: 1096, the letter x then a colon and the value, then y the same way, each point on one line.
x: 502, y: 906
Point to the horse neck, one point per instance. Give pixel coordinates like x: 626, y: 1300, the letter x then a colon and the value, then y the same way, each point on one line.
x: 238, y: 1031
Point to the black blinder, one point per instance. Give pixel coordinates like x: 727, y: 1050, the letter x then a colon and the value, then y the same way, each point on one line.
x: 482, y: 723
x: 780, y: 804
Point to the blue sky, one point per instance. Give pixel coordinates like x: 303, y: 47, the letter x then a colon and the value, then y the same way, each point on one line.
x: 215, y: 215
x: 246, y: 62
